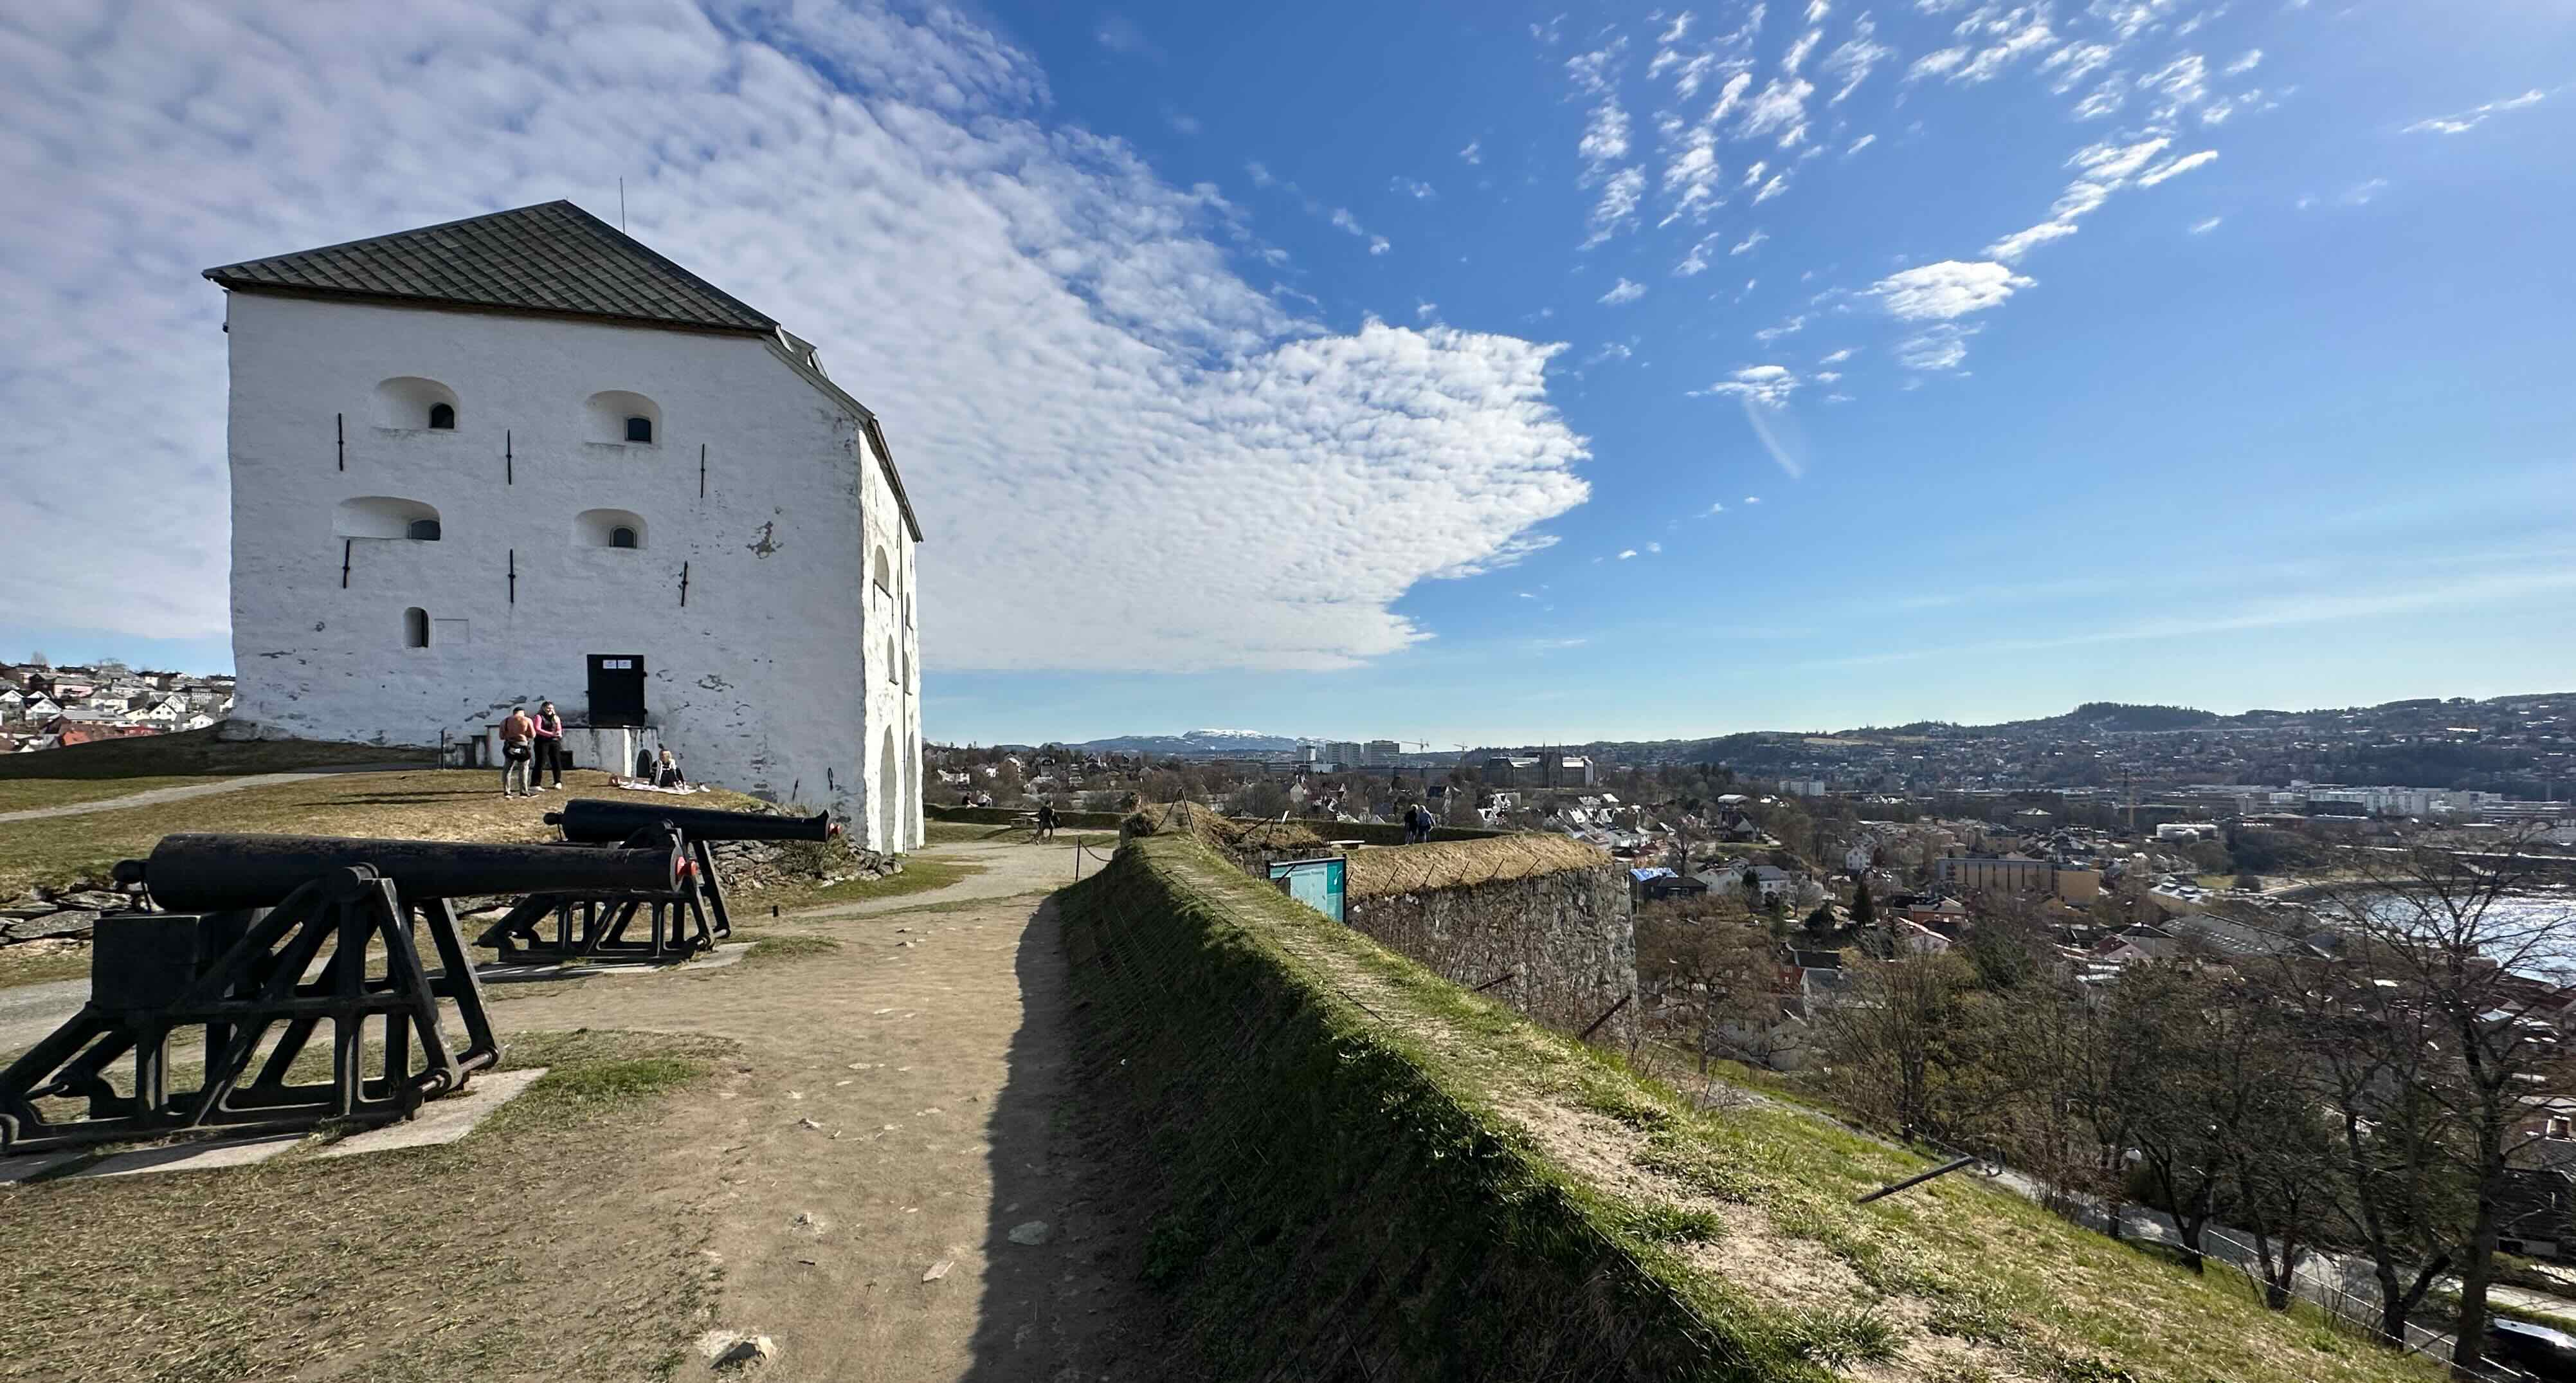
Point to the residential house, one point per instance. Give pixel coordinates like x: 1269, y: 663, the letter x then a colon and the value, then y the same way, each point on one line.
x: 2136, y: 944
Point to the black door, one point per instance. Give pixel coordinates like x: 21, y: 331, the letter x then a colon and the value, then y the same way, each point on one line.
x: 616, y: 689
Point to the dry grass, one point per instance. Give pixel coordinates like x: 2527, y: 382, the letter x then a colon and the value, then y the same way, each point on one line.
x: 425, y: 804
x: 1391, y: 869
x: 197, y: 754
x: 29, y: 794
x: 1219, y: 830
x: 35, y: 962
x: 921, y: 874
x: 517, y: 1253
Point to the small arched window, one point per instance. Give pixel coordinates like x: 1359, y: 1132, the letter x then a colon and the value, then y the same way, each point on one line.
x: 409, y: 403
x: 415, y: 628
x: 422, y: 530
x: 622, y: 417
x: 885, y: 580
x: 383, y: 516
x: 894, y: 670
x: 611, y: 528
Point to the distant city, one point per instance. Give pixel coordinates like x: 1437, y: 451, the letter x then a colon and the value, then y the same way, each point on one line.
x: 2497, y: 758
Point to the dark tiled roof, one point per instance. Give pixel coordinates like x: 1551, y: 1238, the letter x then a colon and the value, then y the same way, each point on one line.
x: 552, y: 258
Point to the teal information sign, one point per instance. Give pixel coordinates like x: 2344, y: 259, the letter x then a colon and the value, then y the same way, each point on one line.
x: 1315, y: 883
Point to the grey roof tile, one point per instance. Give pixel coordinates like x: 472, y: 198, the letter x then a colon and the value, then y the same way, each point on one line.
x: 553, y: 257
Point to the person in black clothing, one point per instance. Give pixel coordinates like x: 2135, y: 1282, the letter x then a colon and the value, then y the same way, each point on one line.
x: 549, y: 746
x: 1046, y: 821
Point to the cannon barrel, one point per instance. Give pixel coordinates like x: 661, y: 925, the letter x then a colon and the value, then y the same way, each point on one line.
x: 599, y: 821
x: 218, y: 873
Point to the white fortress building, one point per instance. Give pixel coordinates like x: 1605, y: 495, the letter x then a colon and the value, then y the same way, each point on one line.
x: 523, y: 457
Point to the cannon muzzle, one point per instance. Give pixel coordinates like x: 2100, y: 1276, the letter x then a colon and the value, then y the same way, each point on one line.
x: 599, y: 821
x: 218, y: 873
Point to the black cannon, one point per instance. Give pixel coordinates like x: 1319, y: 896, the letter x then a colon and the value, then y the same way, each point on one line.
x: 601, y: 821
x: 589, y: 925
x: 277, y: 935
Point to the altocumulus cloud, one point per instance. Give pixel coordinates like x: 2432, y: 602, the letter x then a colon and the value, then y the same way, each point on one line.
x: 1103, y: 426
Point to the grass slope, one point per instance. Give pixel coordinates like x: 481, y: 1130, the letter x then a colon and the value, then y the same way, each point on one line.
x: 1369, y: 1172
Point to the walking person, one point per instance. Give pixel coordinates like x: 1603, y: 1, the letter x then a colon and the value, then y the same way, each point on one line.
x: 1046, y: 821
x: 517, y: 731
x: 549, y: 746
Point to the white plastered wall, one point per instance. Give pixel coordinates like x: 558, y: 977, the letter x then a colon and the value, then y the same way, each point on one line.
x: 770, y: 679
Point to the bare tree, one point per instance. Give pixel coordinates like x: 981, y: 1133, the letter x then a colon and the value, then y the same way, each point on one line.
x: 2450, y: 953
x: 1710, y: 971
x: 1907, y: 1048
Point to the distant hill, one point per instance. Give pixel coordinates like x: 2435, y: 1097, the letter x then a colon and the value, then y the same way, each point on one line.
x: 1195, y: 743
x: 2121, y: 715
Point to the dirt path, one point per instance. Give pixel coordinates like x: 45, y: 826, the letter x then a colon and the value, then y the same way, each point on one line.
x: 901, y: 1109
x: 180, y: 794
x: 29, y: 1011
x: 1011, y: 869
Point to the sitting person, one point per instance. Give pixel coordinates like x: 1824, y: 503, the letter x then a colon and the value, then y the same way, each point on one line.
x: 667, y: 775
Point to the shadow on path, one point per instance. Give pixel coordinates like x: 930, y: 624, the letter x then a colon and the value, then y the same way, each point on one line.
x: 1062, y: 1301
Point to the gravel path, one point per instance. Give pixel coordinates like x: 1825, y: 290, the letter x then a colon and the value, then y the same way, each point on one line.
x: 903, y: 1184
x: 1011, y: 869
x: 181, y: 794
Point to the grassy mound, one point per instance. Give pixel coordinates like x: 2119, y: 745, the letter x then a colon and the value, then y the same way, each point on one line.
x: 1456, y: 863
x: 1220, y: 831
x: 1367, y: 1172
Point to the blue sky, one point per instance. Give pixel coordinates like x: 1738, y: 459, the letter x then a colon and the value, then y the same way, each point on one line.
x: 1464, y: 374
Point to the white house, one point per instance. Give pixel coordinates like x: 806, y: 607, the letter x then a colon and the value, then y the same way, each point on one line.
x: 523, y: 457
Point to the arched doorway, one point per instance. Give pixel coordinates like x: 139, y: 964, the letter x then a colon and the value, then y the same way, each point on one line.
x: 889, y: 798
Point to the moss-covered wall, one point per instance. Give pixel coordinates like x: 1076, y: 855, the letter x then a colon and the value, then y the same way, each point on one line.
x: 1357, y: 1171
x: 1329, y: 1209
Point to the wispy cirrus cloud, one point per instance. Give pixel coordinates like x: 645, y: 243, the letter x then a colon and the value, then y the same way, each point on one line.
x: 2101, y: 170
x: 2462, y: 122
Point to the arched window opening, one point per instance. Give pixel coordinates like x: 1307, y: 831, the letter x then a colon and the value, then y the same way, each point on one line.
x: 410, y: 403
x: 613, y: 528
x: 624, y: 418
x: 885, y: 579
x: 889, y: 793
x: 415, y: 628
x: 894, y: 670
x: 384, y: 516
x: 907, y: 670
